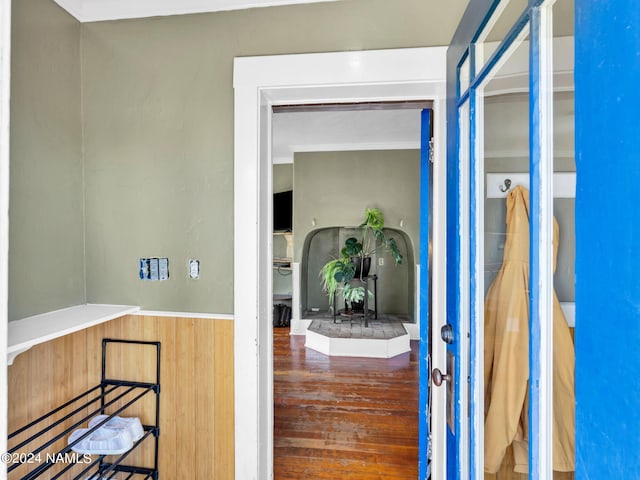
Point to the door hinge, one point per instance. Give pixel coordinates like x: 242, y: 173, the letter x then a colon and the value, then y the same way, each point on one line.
x: 431, y: 150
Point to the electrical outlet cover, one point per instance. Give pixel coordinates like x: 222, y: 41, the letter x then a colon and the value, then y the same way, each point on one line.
x: 194, y: 268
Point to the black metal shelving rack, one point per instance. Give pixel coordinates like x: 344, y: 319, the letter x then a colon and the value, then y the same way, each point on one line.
x: 110, y: 397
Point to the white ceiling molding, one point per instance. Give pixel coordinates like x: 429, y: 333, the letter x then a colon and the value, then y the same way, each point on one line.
x: 101, y: 10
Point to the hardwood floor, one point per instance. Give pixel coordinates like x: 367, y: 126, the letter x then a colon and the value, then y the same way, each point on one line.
x: 338, y: 417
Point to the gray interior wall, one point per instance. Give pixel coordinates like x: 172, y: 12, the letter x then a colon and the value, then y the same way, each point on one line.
x: 333, y: 189
x: 46, y: 251
x: 149, y: 103
x: 158, y: 105
x: 282, y: 177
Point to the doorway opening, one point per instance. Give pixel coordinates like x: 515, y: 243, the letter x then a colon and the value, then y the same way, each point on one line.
x: 349, y: 157
x: 337, y: 161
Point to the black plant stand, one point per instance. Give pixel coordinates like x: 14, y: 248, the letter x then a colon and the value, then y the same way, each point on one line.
x: 365, y: 313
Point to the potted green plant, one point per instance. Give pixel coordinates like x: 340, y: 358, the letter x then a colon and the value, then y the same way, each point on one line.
x: 333, y: 274
x: 354, y: 297
x: 355, y: 259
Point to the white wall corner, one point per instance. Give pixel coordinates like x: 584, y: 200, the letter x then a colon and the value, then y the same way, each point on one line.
x: 5, y: 80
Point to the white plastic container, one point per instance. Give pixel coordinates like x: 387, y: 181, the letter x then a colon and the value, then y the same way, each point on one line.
x: 131, y: 425
x: 104, y: 441
x: 115, y: 437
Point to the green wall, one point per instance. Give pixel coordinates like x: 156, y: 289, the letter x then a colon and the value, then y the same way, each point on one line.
x: 282, y: 177
x: 333, y: 189
x: 46, y: 251
x: 158, y: 103
x: 156, y: 137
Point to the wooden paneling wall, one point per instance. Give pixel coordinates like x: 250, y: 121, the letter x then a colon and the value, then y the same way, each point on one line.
x: 196, y: 401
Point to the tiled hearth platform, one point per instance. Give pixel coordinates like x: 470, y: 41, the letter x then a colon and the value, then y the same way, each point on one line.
x: 384, y: 337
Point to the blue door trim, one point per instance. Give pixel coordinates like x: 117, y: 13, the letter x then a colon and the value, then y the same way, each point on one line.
x: 424, y: 364
x: 540, y: 326
x: 474, y: 320
x: 460, y: 45
x: 460, y: 410
x: 607, y: 247
x: 607, y: 67
x: 506, y: 43
x: 475, y: 17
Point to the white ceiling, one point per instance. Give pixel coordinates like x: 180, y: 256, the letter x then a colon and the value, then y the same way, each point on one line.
x: 344, y: 130
x: 99, y: 10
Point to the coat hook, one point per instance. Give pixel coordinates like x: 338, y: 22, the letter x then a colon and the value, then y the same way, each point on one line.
x: 506, y: 186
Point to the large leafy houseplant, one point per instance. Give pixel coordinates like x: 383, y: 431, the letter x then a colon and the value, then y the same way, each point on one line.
x: 354, y: 296
x: 337, y: 273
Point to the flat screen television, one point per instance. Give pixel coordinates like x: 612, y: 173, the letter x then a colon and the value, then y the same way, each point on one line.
x: 283, y: 211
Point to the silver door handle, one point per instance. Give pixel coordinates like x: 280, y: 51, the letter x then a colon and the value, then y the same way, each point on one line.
x: 438, y: 377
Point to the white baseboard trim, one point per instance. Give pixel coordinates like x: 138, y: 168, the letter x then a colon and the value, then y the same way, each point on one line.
x: 160, y: 313
x: 299, y: 326
x: 413, y: 329
x: 358, y: 347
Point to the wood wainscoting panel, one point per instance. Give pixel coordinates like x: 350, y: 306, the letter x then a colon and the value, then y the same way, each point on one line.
x: 204, y: 405
x: 196, y: 400
x: 223, y: 401
x: 45, y: 376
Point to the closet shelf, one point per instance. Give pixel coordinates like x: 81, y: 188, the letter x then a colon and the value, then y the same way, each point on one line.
x: 30, y: 331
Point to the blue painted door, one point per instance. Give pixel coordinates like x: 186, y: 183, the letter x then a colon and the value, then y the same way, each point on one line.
x: 607, y: 70
x: 503, y: 334
x: 607, y: 236
x: 425, y: 235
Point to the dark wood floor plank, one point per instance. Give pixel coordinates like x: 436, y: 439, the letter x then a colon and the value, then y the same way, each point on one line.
x: 337, y: 417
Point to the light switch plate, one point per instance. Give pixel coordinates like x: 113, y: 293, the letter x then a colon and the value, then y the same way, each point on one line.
x: 153, y: 269
x: 163, y: 269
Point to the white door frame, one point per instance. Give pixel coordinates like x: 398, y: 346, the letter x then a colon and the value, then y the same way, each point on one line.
x: 5, y: 80
x: 259, y: 83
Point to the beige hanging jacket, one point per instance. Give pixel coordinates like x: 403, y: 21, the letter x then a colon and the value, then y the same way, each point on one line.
x: 506, y: 354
